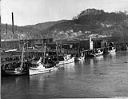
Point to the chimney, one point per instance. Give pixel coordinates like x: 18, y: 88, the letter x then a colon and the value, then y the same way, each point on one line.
x: 12, y: 23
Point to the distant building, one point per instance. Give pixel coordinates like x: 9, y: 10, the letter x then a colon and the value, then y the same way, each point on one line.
x: 99, y: 43
x: 17, y: 44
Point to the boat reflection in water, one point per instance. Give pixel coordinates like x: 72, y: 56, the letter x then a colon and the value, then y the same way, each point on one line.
x: 39, y: 80
x: 69, y: 67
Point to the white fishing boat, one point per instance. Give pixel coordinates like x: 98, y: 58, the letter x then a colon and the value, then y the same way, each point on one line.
x: 40, y: 68
x: 34, y: 71
x: 112, y: 50
x: 66, y: 60
x: 97, y: 53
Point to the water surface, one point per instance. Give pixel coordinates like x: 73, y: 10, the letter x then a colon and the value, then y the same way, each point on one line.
x: 103, y: 76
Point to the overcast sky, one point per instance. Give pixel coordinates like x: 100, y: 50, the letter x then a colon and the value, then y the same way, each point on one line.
x: 27, y: 12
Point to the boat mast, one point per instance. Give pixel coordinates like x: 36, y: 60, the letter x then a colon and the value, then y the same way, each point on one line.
x: 57, y: 50
x: 44, y: 53
x: 22, y: 57
x: 79, y: 49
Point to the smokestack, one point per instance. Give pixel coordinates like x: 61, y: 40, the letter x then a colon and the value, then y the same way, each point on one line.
x: 0, y: 35
x: 6, y: 28
x: 12, y: 23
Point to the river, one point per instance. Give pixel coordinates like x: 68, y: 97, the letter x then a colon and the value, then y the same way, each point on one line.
x: 103, y: 76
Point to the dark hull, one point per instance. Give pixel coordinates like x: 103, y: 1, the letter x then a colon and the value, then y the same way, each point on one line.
x: 17, y: 71
x: 13, y: 73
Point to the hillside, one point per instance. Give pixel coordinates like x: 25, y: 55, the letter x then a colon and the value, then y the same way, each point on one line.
x: 19, y: 32
x: 90, y: 22
x: 46, y: 25
x: 27, y: 32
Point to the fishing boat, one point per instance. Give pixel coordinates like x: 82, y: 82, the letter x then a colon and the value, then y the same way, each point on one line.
x: 40, y: 67
x: 43, y: 65
x: 65, y: 60
x: 111, y: 50
x: 96, y: 53
x: 16, y: 71
x: 15, y: 66
x: 79, y: 57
